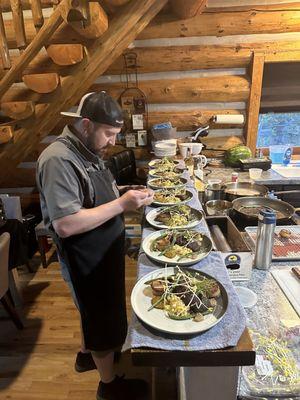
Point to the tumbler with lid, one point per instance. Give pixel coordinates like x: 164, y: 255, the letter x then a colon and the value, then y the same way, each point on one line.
x: 265, y: 238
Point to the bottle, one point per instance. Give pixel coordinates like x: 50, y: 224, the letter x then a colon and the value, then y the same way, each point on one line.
x: 234, y: 176
x: 265, y: 238
x: 199, y: 177
x: 189, y: 162
x: 287, y: 156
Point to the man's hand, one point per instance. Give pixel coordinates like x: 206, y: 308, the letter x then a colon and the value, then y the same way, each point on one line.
x: 134, y: 199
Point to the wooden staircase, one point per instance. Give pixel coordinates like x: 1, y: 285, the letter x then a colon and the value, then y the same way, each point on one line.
x: 66, y: 53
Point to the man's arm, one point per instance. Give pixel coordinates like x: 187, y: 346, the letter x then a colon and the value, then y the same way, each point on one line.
x: 87, y: 219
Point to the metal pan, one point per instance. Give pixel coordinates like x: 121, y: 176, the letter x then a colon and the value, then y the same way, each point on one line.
x: 235, y: 190
x: 248, y: 208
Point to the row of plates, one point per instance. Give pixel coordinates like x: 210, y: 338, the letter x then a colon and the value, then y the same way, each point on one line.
x: 141, y: 298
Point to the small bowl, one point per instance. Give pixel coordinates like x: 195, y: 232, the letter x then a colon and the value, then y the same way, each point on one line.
x: 255, y: 173
x: 217, y: 207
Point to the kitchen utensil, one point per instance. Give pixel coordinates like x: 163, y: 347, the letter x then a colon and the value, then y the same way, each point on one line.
x: 234, y: 190
x: 141, y: 302
x: 183, y: 149
x: 265, y: 238
x: 255, y: 173
x: 277, y: 153
x: 214, y: 192
x: 217, y: 207
x: 248, y: 208
x: 196, y: 148
x: 219, y: 239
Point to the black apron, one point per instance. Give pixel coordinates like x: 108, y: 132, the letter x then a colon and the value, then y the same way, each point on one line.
x: 96, y: 264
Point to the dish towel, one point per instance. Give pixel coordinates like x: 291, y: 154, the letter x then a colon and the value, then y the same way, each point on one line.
x: 226, y: 333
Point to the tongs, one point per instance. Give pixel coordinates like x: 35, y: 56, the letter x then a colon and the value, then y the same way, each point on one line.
x: 202, y: 131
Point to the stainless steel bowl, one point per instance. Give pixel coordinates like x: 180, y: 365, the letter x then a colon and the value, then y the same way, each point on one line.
x: 218, y: 207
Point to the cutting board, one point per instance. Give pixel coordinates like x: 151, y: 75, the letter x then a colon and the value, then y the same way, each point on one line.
x: 290, y: 285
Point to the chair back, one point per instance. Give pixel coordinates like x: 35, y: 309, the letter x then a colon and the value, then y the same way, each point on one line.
x: 12, y: 207
x: 124, y: 167
x: 4, y: 252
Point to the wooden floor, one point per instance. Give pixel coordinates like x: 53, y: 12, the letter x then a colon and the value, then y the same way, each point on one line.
x: 37, y: 363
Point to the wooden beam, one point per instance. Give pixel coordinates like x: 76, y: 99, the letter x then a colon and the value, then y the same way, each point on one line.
x: 18, y: 20
x: 42, y: 83
x: 6, y: 134
x: 122, y: 30
x: 4, y: 52
x: 191, y: 119
x: 32, y: 50
x: 97, y: 24
x: 37, y: 13
x: 75, y: 10
x: 26, y: 4
x: 189, y: 90
x: 18, y: 110
x: 224, y: 24
x: 282, y: 56
x: 257, y: 70
x: 65, y: 54
x: 187, y: 8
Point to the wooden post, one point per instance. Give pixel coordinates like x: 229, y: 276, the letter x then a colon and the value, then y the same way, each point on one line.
x: 4, y: 52
x: 257, y: 70
x: 18, y: 20
x: 37, y: 13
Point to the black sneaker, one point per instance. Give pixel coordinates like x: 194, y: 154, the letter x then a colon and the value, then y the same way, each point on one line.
x: 121, y: 389
x: 84, y: 362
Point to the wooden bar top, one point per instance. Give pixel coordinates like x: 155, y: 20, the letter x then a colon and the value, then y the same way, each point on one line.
x: 242, y: 354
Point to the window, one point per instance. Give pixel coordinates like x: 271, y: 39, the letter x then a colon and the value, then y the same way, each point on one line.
x: 278, y: 128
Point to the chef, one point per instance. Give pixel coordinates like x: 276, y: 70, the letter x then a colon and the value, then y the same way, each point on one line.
x: 80, y: 203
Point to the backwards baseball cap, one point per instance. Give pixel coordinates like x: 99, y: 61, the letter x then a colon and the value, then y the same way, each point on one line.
x: 99, y: 107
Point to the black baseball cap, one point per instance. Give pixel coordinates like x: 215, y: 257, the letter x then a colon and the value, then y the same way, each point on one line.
x: 99, y: 107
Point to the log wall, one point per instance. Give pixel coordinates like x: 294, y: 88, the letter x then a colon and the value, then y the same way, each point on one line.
x: 189, y: 69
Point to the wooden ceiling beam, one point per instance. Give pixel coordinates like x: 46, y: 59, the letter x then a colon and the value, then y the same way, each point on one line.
x: 123, y: 29
x: 18, y: 110
x: 6, y: 134
x: 42, y: 83
x: 26, y: 4
x: 187, y: 8
x: 65, y: 54
x: 37, y: 13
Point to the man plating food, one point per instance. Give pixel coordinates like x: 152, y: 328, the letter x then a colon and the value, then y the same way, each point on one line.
x: 80, y: 202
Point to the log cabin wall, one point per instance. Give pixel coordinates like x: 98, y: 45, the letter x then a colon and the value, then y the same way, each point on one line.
x: 190, y: 69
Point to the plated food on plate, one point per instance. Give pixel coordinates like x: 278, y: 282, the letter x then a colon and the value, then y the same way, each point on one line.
x: 163, y: 164
x: 182, y: 246
x: 184, y: 295
x: 178, y: 216
x: 167, y: 174
x: 171, y: 197
x: 161, y: 183
x: 179, y: 301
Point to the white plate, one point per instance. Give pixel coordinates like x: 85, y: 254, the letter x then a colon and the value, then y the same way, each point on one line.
x: 155, y: 255
x: 152, y: 184
x: 153, y: 162
x: 154, y: 173
x: 158, y: 203
x: 150, y: 217
x: 155, y: 318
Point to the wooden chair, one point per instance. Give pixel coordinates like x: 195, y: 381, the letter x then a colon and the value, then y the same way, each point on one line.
x: 4, y: 297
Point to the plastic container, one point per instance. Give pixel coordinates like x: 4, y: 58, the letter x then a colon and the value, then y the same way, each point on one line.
x: 255, y: 173
x: 277, y: 153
